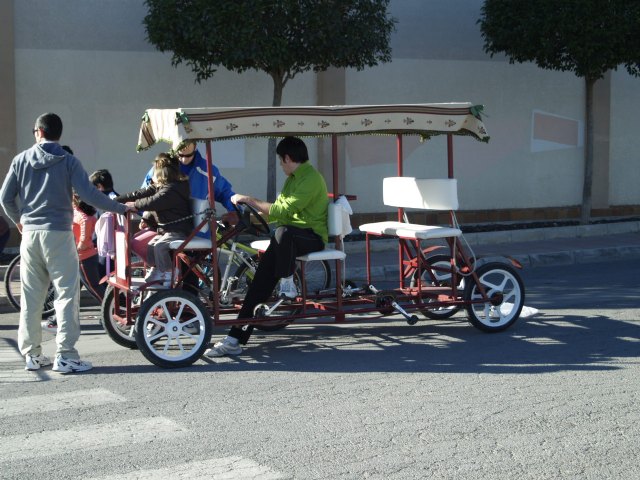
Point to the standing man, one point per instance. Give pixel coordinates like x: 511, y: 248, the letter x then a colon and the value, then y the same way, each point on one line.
x: 37, y: 196
x: 301, y: 213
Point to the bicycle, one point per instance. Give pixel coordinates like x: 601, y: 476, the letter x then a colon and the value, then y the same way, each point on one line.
x: 12, y: 285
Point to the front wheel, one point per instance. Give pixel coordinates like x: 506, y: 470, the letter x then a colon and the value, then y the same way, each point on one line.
x: 173, y: 329
x: 504, y: 297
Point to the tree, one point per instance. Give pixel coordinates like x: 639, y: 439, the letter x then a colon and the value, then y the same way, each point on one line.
x: 586, y: 37
x: 279, y: 37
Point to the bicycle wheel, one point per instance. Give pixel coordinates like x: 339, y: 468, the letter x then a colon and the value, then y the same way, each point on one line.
x: 505, y: 297
x: 12, y: 286
x: 123, y: 335
x: 317, y: 275
x: 244, y: 277
x: 173, y: 329
x: 438, y: 275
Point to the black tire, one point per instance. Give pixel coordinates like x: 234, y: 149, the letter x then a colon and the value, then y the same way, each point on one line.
x: 12, y: 288
x: 503, y: 284
x: 173, y: 329
x: 123, y: 335
x: 441, y: 270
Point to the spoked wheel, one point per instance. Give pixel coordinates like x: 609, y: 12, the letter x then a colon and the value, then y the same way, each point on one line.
x: 440, y: 266
x: 173, y: 329
x: 123, y: 335
x: 12, y: 286
x: 317, y: 274
x: 505, y: 290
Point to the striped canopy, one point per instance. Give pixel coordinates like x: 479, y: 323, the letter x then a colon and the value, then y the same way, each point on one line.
x: 175, y: 126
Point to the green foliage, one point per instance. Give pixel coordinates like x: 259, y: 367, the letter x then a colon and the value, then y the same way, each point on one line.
x: 280, y: 37
x: 587, y: 37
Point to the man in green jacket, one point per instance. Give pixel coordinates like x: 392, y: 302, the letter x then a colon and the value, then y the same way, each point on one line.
x: 301, y: 214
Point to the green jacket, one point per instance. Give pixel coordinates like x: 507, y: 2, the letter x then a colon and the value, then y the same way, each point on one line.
x: 303, y: 201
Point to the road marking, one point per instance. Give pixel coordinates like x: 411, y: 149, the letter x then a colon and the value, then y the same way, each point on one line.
x: 229, y: 468
x: 59, y: 401
x: 90, y: 437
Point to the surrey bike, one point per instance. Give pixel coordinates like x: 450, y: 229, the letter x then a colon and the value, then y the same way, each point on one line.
x: 439, y: 273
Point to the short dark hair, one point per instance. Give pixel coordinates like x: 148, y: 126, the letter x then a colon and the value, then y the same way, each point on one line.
x: 294, y: 147
x: 51, y: 126
x: 102, y: 177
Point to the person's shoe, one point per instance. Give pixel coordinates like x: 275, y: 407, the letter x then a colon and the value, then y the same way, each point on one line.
x: 287, y: 288
x: 50, y: 325
x: 34, y: 362
x: 166, y: 279
x: 227, y: 346
x: 153, y: 275
x: 192, y: 329
x: 70, y: 365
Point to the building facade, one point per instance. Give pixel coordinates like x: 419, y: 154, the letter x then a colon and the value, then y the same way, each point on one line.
x: 89, y: 61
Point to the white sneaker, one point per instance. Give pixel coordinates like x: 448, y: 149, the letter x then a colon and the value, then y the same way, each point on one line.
x: 287, y: 288
x: 70, y: 365
x: 228, y: 346
x: 153, y: 275
x: 34, y: 362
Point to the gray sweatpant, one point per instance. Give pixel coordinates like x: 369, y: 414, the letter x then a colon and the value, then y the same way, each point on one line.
x: 49, y: 256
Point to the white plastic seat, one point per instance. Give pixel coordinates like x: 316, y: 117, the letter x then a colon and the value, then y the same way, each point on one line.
x: 338, y: 226
x: 198, y: 206
x: 418, y: 193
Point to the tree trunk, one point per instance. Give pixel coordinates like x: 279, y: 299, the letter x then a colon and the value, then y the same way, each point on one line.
x: 585, y: 211
x: 278, y: 86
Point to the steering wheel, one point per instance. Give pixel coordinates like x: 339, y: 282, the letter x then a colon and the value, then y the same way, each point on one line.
x: 262, y: 227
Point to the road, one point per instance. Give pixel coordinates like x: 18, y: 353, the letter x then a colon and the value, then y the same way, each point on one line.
x: 553, y: 397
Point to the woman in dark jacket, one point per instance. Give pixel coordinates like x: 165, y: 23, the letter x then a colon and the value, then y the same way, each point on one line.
x: 168, y: 198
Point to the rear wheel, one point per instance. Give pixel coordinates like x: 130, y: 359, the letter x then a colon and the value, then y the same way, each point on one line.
x: 505, y: 291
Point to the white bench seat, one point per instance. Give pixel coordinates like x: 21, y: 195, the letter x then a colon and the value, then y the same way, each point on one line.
x: 326, y: 254
x: 196, y: 243
x: 410, y: 230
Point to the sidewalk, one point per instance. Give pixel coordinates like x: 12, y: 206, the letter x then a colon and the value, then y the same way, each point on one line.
x: 532, y: 247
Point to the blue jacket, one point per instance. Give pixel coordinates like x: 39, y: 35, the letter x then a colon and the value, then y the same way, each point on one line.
x: 37, y: 191
x: 198, y: 183
x: 197, y: 173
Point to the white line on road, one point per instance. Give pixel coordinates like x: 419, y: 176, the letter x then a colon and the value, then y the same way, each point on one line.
x: 229, y: 468
x: 58, y: 401
x: 90, y: 437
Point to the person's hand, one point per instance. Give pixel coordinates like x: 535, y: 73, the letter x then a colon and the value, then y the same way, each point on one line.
x: 238, y: 198
x: 230, y: 218
x: 131, y: 207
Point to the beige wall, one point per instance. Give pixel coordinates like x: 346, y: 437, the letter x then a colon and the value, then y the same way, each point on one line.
x: 101, y: 74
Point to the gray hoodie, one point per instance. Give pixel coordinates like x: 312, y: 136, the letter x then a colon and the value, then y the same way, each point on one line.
x: 37, y: 191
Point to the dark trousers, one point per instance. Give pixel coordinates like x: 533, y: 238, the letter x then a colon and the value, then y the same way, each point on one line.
x: 278, y: 261
x: 90, y: 277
